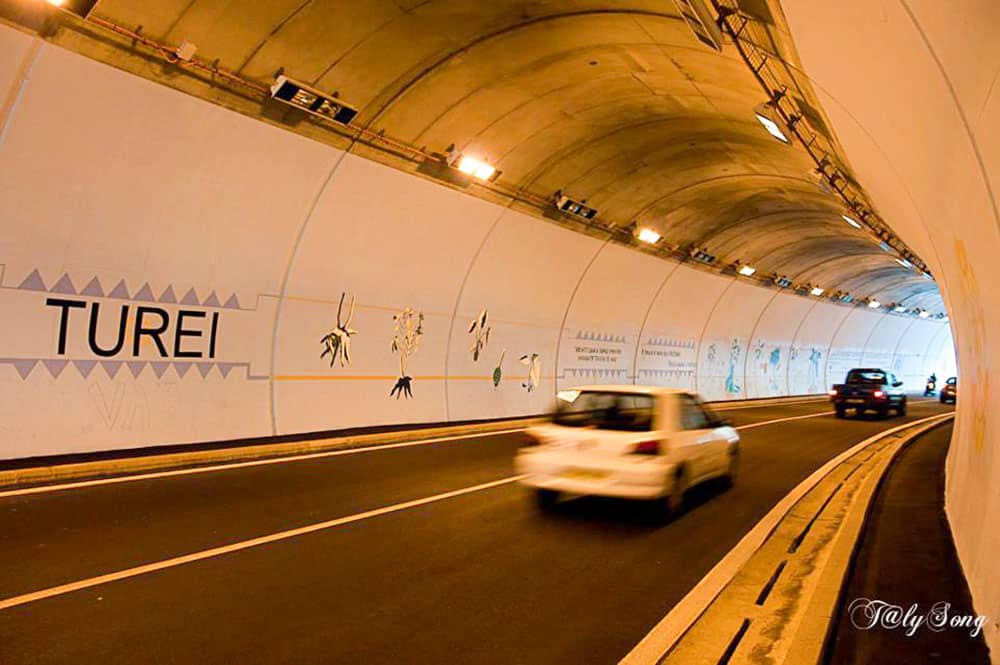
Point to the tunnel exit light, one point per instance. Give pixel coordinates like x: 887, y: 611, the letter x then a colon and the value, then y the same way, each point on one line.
x: 649, y: 235
x: 817, y: 291
x: 747, y: 270
x: 852, y: 222
x: 475, y: 167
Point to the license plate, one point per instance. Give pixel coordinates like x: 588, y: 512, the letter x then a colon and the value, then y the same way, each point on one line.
x: 584, y: 474
x: 855, y: 401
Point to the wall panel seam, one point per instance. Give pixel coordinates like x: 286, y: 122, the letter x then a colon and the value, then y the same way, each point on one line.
x: 645, y: 320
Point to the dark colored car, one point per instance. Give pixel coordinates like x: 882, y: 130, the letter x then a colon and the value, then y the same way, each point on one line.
x: 869, y: 389
x: 948, y: 392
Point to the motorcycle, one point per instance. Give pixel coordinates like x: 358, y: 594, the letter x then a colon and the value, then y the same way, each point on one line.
x: 931, y: 388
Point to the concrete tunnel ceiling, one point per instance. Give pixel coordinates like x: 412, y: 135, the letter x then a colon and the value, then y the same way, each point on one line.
x: 616, y: 103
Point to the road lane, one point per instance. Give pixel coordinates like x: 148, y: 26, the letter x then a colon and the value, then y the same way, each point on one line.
x: 480, y: 578
x: 113, y: 527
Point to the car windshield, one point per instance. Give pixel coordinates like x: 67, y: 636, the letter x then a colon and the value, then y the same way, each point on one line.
x: 866, y: 376
x: 627, y: 412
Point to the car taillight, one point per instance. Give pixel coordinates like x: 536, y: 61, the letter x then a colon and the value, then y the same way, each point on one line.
x: 647, y: 448
x: 878, y: 394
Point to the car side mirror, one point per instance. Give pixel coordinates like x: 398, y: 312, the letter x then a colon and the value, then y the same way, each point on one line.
x: 897, y: 384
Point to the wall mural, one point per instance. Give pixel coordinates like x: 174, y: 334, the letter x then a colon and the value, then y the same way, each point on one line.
x: 596, y: 356
x: 534, y: 364
x: 408, y: 326
x: 498, y: 370
x: 735, y: 351
x: 769, y: 363
x: 480, y: 332
x: 675, y: 359
x: 337, y: 342
x: 813, y: 360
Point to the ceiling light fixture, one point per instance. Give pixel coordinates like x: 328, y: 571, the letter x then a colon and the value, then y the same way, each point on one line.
x: 924, y: 314
x: 874, y: 304
x: 904, y: 263
x: 475, y: 167
x: 747, y: 270
x: 816, y: 291
x: 648, y: 235
x: 899, y: 309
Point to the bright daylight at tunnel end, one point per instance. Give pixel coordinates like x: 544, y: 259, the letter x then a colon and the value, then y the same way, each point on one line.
x: 434, y: 331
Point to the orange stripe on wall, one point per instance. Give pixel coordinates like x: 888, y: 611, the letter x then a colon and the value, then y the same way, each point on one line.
x: 348, y: 377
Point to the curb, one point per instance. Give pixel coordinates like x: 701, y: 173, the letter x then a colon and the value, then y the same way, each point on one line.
x: 32, y: 476
x: 55, y: 473
x: 773, y: 597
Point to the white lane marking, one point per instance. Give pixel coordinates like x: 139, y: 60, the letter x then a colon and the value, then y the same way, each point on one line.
x: 239, y: 465
x: 676, y: 623
x: 784, y: 420
x: 741, y: 407
x: 42, y: 489
x: 243, y: 545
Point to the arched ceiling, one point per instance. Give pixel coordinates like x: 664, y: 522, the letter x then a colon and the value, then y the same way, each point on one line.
x: 613, y: 102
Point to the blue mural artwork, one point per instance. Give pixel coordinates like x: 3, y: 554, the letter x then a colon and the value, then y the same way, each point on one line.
x: 773, y: 366
x: 734, y: 356
x: 815, y: 355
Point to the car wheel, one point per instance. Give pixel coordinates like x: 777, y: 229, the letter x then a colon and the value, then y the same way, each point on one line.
x: 546, y: 499
x: 733, y: 468
x: 678, y: 493
x: 840, y: 411
x: 901, y: 410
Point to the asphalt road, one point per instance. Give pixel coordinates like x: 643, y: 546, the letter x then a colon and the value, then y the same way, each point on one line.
x: 480, y: 577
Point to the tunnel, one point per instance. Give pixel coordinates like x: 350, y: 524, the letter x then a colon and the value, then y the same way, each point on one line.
x: 287, y: 270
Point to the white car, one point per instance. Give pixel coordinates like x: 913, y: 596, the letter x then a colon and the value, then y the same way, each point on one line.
x: 633, y: 442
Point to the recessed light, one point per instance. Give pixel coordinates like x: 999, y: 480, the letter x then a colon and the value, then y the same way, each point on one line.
x: 475, y: 167
x: 649, y: 235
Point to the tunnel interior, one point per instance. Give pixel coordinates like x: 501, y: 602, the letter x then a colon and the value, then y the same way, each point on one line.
x: 184, y: 259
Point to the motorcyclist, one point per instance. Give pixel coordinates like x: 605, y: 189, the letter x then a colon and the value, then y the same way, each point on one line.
x: 931, y: 385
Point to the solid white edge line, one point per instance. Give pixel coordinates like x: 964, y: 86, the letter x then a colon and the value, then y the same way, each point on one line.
x: 682, y: 616
x: 245, y: 544
x: 238, y: 465
x: 741, y: 407
x: 42, y: 489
